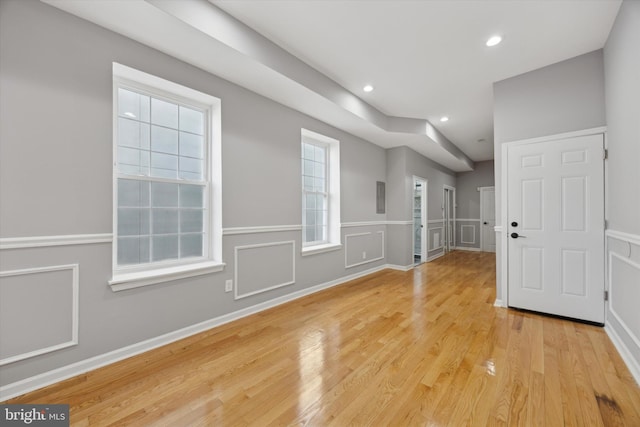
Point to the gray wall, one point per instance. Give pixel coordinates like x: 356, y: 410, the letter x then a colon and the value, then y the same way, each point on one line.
x: 562, y: 97
x: 402, y: 165
x: 622, y: 84
x: 56, y: 180
x: 468, y: 204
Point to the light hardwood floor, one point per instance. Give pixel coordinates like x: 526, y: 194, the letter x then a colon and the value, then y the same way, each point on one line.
x: 425, y: 347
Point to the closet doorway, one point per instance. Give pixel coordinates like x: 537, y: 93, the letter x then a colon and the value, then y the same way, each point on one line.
x: 449, y: 218
x: 419, y: 220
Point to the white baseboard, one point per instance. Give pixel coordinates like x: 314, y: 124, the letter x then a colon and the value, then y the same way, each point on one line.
x: 60, y: 374
x: 627, y: 357
x: 436, y: 256
x: 463, y: 248
x: 499, y: 303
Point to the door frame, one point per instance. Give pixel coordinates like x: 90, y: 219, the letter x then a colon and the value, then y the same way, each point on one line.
x: 482, y: 232
x: 503, y: 270
x: 424, y: 247
x: 452, y: 245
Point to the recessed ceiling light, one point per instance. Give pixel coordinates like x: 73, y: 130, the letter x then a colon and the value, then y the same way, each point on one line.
x: 494, y: 40
x: 444, y: 119
x: 367, y: 88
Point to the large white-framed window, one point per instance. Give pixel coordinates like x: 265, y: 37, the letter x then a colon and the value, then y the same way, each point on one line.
x: 320, y: 166
x: 166, y: 180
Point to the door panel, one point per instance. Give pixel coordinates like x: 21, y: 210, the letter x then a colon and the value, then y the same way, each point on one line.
x: 488, y: 219
x: 556, y: 197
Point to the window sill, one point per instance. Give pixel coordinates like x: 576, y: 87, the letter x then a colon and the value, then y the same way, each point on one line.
x: 123, y: 281
x: 318, y: 249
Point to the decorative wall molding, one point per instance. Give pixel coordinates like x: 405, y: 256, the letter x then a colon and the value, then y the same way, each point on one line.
x: 51, y: 377
x: 346, y: 249
x: 473, y: 233
x: 75, y: 275
x: 363, y: 224
x: 467, y: 248
x: 63, y: 240
x: 468, y: 219
x: 399, y: 222
x: 434, y: 257
x: 430, y: 246
x: 237, y: 250
x: 612, y: 291
x: 625, y: 237
x: 230, y: 231
x: 435, y: 221
x: 627, y: 357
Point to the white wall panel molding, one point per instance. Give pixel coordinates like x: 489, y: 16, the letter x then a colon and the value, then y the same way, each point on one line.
x: 625, y: 237
x: 230, y: 231
x: 625, y: 316
x: 466, y: 248
x: 435, y: 221
x: 468, y: 219
x: 45, y: 241
x: 365, y: 261
x: 51, y: 377
x: 271, y: 260
x: 399, y: 222
x: 473, y: 234
x: 363, y: 223
x: 74, y: 304
x: 431, y: 246
x: 627, y: 357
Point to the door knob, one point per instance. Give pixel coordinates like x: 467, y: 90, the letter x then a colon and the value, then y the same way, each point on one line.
x: 514, y: 224
x: 516, y: 235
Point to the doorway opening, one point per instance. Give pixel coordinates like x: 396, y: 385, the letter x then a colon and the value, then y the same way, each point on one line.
x: 419, y: 220
x: 487, y: 219
x: 449, y: 218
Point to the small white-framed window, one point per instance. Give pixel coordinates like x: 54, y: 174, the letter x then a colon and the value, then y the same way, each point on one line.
x: 320, y: 166
x: 166, y: 218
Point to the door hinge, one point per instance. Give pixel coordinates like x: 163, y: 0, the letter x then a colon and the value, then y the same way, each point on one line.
x: 606, y: 295
x: 605, y: 154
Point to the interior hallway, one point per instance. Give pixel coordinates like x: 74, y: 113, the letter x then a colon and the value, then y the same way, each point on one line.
x: 423, y: 347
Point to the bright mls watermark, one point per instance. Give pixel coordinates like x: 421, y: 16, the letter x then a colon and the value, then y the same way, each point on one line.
x: 34, y: 415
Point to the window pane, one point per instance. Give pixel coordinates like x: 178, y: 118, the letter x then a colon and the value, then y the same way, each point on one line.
x: 164, y: 194
x: 164, y: 165
x: 191, y: 145
x: 190, y: 168
x: 164, y: 140
x: 133, y: 193
x: 165, y: 221
x: 308, y: 183
x: 131, y: 157
x: 164, y: 113
x: 133, y: 222
x: 191, y: 221
x: 191, y: 196
x: 307, y: 151
x: 310, y: 219
x: 308, y: 168
x: 310, y: 234
x: 191, y: 245
x: 133, y: 134
x: 320, y: 218
x: 133, y: 250
x: 133, y: 105
x: 319, y: 170
x: 319, y: 153
x: 165, y: 247
x: 319, y: 184
x: 310, y: 201
x: 191, y: 121
x: 321, y: 202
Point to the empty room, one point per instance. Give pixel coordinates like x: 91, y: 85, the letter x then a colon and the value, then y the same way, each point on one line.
x: 320, y: 212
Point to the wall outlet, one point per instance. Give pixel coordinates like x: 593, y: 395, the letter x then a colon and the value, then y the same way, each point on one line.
x: 228, y: 285
x: 364, y: 255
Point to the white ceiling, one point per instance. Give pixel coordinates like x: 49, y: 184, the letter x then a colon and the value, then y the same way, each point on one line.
x: 425, y: 58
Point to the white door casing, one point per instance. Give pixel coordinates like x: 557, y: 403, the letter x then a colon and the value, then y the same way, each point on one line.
x: 555, y: 205
x: 424, y: 247
x: 487, y: 219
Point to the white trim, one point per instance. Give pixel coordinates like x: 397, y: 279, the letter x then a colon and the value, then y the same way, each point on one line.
x: 346, y: 251
x: 470, y: 249
x: 75, y: 279
x: 320, y: 249
x: 63, y: 240
x: 565, y: 135
x: 497, y: 229
x: 625, y: 354
x: 441, y: 227
x: 618, y: 318
x: 473, y: 227
x: 121, y: 282
x: 237, y: 249
x: 436, y: 256
x: 499, y: 303
x: 399, y: 222
x: 56, y: 375
x: 424, y: 217
x: 399, y: 267
x: 625, y: 237
x: 468, y: 219
x: 435, y: 221
x: 363, y: 223
x: 230, y: 231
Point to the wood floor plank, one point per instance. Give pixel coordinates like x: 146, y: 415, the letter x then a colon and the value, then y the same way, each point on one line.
x: 423, y: 347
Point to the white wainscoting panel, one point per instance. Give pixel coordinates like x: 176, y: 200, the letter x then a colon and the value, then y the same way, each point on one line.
x: 624, y: 294
x: 435, y: 241
x: 267, y: 266
x: 470, y: 231
x: 371, y: 244
x: 38, y: 311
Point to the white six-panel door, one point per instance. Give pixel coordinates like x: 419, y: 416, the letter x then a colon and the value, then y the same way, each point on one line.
x: 487, y: 219
x: 555, y: 227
